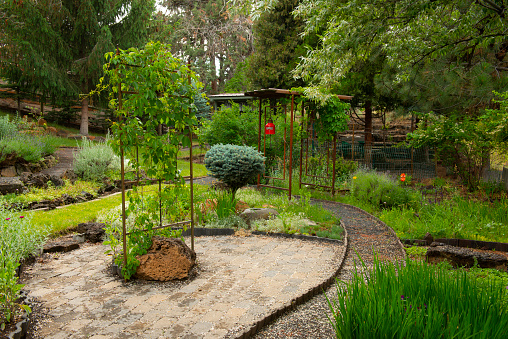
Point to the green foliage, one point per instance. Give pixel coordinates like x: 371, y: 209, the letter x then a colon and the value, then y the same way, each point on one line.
x: 57, y: 49
x: 8, y: 129
x: 414, y: 300
x: 277, y: 48
x: 166, y: 88
x: 234, y: 165
x: 50, y: 193
x: 207, y: 33
x: 463, y: 143
x: 231, y: 125
x: 440, y: 56
x: 30, y: 148
x: 295, y: 215
x: 332, y: 118
x: 94, y: 160
x: 380, y: 190
x: 456, y: 218
x: 18, y: 240
x: 416, y: 252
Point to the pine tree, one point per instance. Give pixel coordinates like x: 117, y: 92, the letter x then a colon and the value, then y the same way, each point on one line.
x: 56, y: 49
x: 206, y: 34
x: 277, y: 47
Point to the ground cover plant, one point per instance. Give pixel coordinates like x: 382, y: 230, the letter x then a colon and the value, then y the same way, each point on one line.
x: 413, y: 210
x: 412, y: 299
x: 296, y: 216
x: 50, y: 193
x: 17, y: 140
x: 18, y: 240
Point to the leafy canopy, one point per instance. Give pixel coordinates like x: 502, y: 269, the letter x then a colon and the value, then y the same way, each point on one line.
x: 162, y: 92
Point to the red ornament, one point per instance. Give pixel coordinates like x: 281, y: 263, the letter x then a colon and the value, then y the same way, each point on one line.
x: 270, y: 128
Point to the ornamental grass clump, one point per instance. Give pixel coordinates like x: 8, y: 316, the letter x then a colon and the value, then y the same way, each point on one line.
x: 380, y: 190
x: 412, y: 299
x: 234, y: 165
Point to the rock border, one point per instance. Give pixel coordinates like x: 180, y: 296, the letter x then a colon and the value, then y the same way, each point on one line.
x: 22, y: 325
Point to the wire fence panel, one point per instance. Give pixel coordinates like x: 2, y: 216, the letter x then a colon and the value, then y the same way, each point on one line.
x: 420, y: 163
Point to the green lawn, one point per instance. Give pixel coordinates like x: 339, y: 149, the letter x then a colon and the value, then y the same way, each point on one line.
x: 62, y: 219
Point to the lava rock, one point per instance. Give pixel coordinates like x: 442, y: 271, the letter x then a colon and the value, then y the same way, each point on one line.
x: 167, y: 259
x: 93, y: 231
x: 465, y: 257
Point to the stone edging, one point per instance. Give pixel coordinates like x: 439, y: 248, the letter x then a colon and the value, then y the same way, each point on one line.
x: 258, y: 325
x: 22, y: 325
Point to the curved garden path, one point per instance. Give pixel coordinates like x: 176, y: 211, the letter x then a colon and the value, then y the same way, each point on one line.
x: 240, y: 281
x: 366, y: 235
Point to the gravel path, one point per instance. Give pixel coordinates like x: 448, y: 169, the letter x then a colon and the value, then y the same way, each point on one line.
x: 366, y: 234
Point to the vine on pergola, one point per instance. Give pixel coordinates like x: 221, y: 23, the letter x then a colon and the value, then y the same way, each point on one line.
x: 160, y: 90
x: 150, y: 88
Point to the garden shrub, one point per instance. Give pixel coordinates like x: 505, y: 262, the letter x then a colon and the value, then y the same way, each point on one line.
x: 234, y: 165
x: 94, y: 160
x: 18, y: 240
x: 412, y: 299
x: 380, y: 190
x: 8, y: 129
x: 231, y: 126
x: 29, y: 147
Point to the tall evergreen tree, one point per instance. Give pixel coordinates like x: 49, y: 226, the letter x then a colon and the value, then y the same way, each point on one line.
x: 56, y: 49
x: 278, y: 46
x: 207, y: 35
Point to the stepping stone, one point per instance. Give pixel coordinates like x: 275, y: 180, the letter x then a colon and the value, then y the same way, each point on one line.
x: 61, y: 246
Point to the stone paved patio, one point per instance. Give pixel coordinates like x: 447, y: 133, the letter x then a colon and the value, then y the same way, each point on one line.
x: 240, y: 280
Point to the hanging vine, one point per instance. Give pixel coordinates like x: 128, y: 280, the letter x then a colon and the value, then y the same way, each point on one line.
x: 149, y: 88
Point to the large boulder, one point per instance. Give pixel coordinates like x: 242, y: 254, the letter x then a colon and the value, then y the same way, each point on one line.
x: 92, y: 231
x: 251, y: 214
x: 10, y: 185
x: 167, y: 259
x: 39, y: 180
x: 465, y: 257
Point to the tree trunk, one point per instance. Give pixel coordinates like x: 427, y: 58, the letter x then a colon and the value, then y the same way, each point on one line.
x: 83, y: 128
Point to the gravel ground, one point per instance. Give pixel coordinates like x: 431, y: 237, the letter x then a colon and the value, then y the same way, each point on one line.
x: 366, y: 234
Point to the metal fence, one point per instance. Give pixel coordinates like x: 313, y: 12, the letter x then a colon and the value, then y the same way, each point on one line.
x: 417, y: 162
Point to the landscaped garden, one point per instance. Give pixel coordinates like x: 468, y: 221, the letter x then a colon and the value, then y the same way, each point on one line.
x: 352, y: 127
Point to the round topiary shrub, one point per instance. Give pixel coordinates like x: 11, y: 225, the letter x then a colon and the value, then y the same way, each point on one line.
x: 234, y: 165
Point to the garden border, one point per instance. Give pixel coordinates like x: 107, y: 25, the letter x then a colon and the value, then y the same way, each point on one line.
x: 22, y: 325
